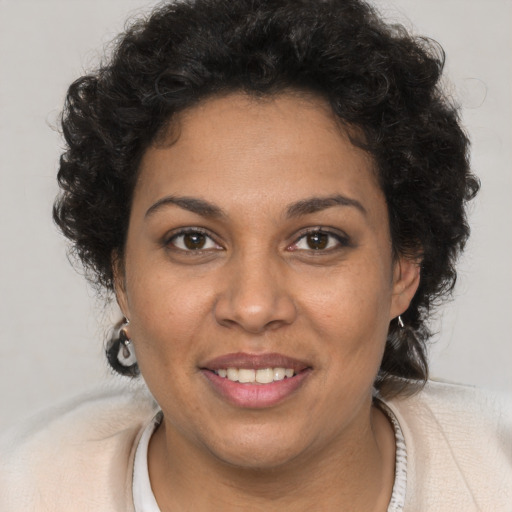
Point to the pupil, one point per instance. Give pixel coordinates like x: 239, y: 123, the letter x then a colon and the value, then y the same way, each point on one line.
x: 194, y: 240
x: 318, y: 240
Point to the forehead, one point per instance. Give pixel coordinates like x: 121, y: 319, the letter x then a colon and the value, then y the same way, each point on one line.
x: 242, y: 149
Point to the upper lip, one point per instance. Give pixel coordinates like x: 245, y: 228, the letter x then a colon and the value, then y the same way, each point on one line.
x: 255, y: 361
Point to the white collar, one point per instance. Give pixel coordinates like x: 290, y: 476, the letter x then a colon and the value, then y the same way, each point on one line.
x: 143, y: 497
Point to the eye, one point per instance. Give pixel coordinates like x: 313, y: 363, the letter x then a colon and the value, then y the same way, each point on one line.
x: 319, y: 240
x: 192, y: 240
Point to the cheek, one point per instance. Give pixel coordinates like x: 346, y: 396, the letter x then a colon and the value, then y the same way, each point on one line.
x: 355, y: 297
x: 165, y: 329
x: 167, y: 313
x: 350, y: 312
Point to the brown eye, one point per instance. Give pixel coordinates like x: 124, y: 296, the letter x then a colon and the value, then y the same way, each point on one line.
x: 317, y: 240
x: 193, y: 241
x: 320, y: 241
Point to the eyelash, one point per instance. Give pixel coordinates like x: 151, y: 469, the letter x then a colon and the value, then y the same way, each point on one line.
x: 340, y: 241
x: 170, y: 242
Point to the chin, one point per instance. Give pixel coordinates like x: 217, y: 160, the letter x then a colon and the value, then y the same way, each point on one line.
x: 254, y: 460
x: 270, y: 452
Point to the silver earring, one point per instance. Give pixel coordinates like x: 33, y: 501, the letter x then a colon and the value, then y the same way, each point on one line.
x: 400, y: 322
x: 126, y: 354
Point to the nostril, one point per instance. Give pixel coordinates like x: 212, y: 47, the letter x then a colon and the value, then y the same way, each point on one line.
x: 255, y: 317
x: 253, y: 294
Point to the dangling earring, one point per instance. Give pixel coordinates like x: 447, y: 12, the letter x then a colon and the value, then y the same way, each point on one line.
x: 400, y: 322
x: 126, y: 354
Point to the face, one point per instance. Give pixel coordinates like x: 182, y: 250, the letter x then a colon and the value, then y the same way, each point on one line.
x: 259, y: 279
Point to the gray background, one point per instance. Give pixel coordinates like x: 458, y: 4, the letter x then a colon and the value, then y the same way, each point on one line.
x: 52, y: 326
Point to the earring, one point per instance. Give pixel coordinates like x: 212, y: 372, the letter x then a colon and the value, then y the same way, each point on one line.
x: 400, y: 322
x: 126, y: 354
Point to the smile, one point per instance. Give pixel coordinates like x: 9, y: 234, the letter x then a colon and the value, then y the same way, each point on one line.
x: 251, y: 376
x: 255, y: 381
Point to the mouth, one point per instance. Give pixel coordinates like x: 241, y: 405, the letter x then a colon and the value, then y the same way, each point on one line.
x: 255, y: 381
x: 252, y: 376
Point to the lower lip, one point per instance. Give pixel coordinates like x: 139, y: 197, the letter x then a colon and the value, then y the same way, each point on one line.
x: 255, y: 396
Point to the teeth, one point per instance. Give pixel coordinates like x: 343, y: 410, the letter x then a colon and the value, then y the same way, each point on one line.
x: 246, y: 375
x: 265, y: 376
x: 279, y: 373
x: 232, y: 374
x: 262, y: 376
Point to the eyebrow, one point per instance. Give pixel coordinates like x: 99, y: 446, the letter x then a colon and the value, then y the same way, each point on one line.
x: 316, y: 204
x: 302, y: 207
x: 192, y: 204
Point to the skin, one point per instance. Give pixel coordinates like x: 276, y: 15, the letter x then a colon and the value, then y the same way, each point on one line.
x: 258, y: 286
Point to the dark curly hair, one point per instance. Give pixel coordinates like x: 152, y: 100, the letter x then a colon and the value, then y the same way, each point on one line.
x: 377, y: 78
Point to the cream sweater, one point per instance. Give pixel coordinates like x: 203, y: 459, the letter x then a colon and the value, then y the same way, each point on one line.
x: 80, y: 458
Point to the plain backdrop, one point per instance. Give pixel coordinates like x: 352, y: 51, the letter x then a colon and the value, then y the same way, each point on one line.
x: 53, y: 327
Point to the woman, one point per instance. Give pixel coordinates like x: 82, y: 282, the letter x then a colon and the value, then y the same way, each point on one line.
x: 275, y: 191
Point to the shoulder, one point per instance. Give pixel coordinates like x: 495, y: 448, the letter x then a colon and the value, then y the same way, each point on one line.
x: 74, y: 455
x: 459, y: 448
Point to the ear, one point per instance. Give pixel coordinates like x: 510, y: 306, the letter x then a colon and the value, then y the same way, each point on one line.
x: 118, y: 273
x: 406, y: 279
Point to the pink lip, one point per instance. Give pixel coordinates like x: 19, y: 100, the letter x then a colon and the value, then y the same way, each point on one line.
x: 254, y: 395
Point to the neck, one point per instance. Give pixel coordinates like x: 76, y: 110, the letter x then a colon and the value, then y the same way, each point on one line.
x: 353, y: 472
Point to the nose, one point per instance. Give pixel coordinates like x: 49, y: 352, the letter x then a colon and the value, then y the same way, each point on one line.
x: 255, y: 296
